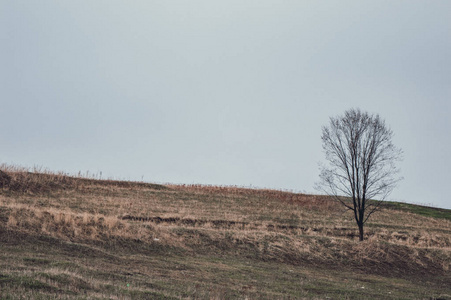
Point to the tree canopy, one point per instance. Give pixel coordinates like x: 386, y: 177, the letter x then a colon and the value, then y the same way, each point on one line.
x: 361, y: 162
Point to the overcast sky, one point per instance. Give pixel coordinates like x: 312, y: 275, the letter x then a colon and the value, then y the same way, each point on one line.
x: 223, y: 92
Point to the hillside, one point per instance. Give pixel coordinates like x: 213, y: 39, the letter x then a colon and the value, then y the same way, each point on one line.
x: 64, y: 237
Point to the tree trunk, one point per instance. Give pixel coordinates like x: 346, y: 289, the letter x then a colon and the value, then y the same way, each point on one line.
x: 360, y: 232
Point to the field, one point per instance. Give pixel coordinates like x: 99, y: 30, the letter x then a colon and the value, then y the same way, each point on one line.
x: 72, y: 237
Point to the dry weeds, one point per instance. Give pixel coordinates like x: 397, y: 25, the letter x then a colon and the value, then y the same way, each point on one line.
x: 266, y: 225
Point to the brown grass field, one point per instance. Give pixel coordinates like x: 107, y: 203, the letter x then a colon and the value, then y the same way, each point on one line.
x: 72, y: 237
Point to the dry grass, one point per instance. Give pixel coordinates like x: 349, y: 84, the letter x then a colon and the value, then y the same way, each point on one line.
x: 198, y: 224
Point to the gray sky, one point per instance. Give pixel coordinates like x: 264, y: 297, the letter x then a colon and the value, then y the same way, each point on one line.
x: 223, y: 92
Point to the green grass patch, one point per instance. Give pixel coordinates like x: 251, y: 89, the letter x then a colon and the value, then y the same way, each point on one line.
x: 136, y: 294
x: 26, y: 282
x: 432, y: 212
x: 36, y: 261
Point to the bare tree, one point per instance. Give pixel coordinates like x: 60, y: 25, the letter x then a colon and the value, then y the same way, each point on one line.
x: 361, y: 163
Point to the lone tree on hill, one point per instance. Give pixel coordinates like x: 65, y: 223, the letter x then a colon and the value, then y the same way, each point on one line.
x: 361, y: 157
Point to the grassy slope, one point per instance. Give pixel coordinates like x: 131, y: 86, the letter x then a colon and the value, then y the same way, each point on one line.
x: 72, y: 238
